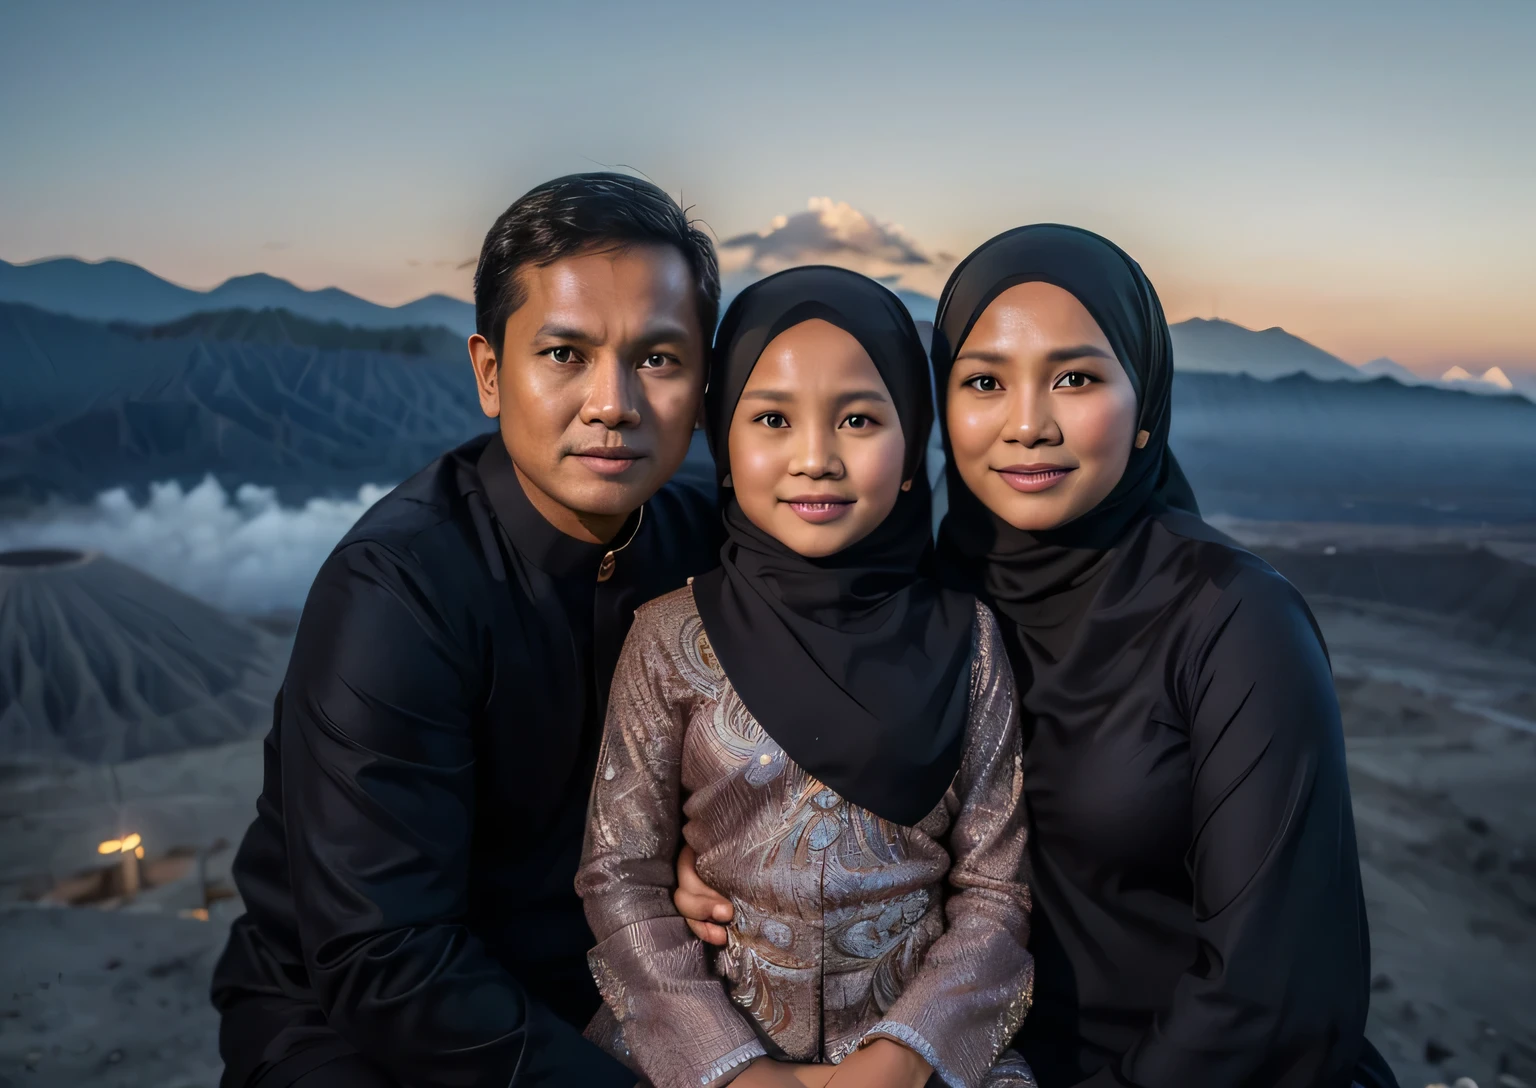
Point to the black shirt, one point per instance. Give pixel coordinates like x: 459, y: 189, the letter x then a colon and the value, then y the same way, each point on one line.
x: 1198, y: 912
x: 408, y: 878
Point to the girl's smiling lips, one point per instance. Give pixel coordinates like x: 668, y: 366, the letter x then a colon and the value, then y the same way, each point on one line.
x: 820, y: 509
x: 1033, y: 477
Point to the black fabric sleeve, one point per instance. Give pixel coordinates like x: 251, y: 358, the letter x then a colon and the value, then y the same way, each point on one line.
x: 378, y: 792
x: 1278, y: 992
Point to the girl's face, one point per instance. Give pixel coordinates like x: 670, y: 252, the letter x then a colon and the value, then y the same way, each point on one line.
x: 815, y: 447
x: 1041, y: 415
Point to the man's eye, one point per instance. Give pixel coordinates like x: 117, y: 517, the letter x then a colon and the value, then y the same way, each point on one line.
x: 984, y: 383
x: 562, y: 354
x: 774, y: 420
x: 655, y: 362
x: 1075, y: 379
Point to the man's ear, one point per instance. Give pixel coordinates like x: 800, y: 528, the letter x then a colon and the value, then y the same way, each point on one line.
x: 482, y: 358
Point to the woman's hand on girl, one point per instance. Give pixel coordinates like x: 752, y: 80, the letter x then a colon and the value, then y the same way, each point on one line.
x: 883, y: 1063
x: 701, y: 906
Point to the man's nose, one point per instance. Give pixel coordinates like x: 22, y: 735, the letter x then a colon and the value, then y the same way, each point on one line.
x: 613, y: 398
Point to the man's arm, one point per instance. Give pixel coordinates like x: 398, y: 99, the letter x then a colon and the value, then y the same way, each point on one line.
x: 378, y: 793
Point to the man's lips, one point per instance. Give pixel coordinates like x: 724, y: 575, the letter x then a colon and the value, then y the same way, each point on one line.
x: 819, y: 509
x: 1033, y: 477
x: 609, y: 460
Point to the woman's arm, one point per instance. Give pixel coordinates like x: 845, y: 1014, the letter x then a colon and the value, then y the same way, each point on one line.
x: 974, y: 987
x: 1278, y: 992
x: 676, y: 1017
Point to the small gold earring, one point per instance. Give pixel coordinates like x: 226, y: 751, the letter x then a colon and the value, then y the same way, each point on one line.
x: 1141, y: 439
x: 907, y: 486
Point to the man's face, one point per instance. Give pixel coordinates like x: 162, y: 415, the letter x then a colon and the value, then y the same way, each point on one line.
x: 599, y: 382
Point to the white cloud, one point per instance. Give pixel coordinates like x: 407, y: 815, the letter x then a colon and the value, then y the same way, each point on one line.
x: 832, y: 232
x: 245, y: 553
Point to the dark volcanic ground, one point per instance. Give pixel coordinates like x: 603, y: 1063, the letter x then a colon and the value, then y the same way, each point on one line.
x: 1440, y: 717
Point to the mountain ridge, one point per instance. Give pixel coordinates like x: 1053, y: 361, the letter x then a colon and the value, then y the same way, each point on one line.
x: 118, y: 290
x: 85, y: 408
x: 115, y: 290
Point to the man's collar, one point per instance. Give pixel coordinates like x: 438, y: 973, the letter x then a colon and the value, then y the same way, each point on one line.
x: 528, y: 530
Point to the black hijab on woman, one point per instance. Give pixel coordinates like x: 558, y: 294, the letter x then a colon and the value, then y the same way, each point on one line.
x: 856, y: 663
x: 1042, y: 581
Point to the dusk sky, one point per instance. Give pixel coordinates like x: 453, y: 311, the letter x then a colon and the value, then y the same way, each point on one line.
x: 1359, y: 173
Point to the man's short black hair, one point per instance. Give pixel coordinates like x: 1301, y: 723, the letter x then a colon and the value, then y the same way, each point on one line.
x: 581, y: 213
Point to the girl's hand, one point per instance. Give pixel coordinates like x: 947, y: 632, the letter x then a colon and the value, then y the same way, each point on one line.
x: 882, y: 1064
x: 700, y: 905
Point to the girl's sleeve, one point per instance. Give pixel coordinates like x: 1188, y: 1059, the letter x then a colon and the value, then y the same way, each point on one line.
x: 676, y: 1017
x: 975, y: 984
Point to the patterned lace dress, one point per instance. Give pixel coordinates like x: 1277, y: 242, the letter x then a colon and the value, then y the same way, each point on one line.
x: 847, y: 927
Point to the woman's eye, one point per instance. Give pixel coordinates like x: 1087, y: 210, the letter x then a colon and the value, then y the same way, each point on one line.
x: 984, y: 383
x: 655, y: 362
x: 1074, y: 379
x: 858, y: 423
x: 562, y: 354
x: 774, y: 420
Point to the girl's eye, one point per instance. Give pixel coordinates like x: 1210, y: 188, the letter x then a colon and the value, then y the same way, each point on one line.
x: 655, y: 362
x: 1074, y: 379
x: 858, y: 423
x: 562, y: 354
x: 984, y: 383
x: 774, y: 420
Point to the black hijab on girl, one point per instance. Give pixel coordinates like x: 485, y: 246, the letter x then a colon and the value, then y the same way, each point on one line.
x: 856, y: 663
x: 1042, y: 581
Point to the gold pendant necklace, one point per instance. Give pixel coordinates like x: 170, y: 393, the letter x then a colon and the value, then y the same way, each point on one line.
x: 605, y: 568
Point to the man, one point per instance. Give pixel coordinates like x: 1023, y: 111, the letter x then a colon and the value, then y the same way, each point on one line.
x: 411, y: 917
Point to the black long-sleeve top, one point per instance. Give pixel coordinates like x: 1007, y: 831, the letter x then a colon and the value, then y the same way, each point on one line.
x: 1198, y: 913
x: 408, y: 880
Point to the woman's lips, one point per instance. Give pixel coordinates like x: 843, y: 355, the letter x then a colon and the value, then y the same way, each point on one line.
x: 1032, y: 478
x: 819, y: 509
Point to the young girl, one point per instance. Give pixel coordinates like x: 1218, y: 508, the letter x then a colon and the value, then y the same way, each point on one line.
x: 832, y: 732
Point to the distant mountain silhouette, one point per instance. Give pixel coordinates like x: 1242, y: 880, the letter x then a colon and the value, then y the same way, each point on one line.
x: 115, y: 290
x: 286, y: 328
x: 118, y: 291
x: 1390, y: 368
x: 1228, y: 348
x: 1492, y: 381
x: 85, y: 407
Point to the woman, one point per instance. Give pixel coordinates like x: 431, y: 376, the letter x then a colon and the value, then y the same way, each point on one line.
x: 832, y: 732
x: 1198, y: 915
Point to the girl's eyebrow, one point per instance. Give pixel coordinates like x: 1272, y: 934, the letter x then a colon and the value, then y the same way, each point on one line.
x: 779, y: 396
x: 1059, y: 355
x: 860, y: 394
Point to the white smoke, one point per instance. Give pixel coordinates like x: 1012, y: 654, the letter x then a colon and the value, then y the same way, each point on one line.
x: 245, y: 553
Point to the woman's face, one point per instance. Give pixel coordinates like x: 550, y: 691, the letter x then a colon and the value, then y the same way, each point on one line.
x: 1041, y: 415
x: 815, y: 447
